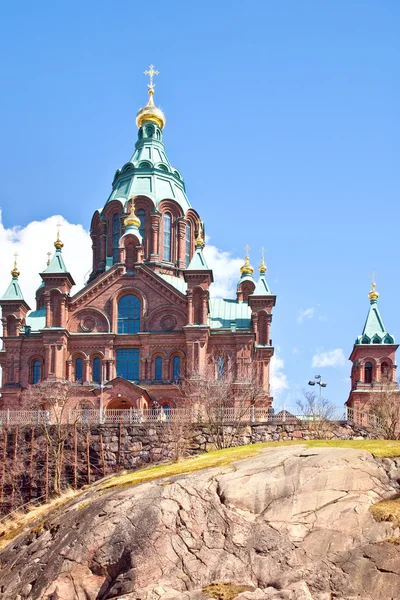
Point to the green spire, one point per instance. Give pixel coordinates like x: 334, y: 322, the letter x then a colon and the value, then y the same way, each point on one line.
x: 14, y: 291
x: 374, y: 331
x: 57, y: 264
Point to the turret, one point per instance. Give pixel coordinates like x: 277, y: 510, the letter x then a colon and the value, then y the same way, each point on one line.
x: 198, y: 277
x: 57, y: 286
x: 261, y: 302
x: 246, y: 284
x: 13, y: 306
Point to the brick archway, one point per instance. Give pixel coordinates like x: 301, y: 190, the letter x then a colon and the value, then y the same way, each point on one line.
x: 120, y: 404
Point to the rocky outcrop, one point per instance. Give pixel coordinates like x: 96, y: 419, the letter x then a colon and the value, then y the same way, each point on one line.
x: 291, y: 523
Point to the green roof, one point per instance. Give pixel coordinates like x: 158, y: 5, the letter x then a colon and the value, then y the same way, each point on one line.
x: 36, y: 319
x: 262, y: 288
x: 149, y: 172
x: 374, y: 331
x: 225, y: 313
x: 176, y: 282
x: 13, y: 291
x: 198, y: 262
x: 57, y: 264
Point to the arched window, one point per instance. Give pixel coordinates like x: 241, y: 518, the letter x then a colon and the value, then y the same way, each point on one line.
x: 115, y: 237
x: 129, y: 314
x: 385, y: 371
x: 188, y: 233
x: 36, y: 371
x: 97, y: 370
x: 142, y: 216
x: 79, y: 370
x: 368, y: 372
x: 167, y: 237
x: 158, y: 369
x: 220, y: 367
x: 176, y: 368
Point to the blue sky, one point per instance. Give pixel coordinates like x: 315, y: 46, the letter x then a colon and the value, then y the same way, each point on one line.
x: 281, y: 116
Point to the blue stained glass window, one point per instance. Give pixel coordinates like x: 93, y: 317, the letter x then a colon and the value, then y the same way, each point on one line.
x: 167, y: 237
x: 128, y: 363
x: 115, y: 237
x: 158, y: 368
x: 97, y: 370
x: 129, y: 314
x: 176, y: 368
x: 36, y: 371
x: 221, y: 367
x: 78, y: 369
x: 142, y: 216
x: 187, y: 244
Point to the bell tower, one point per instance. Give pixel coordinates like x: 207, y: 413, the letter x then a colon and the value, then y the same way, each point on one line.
x: 373, y: 357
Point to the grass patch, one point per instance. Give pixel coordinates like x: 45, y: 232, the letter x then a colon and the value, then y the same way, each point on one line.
x: 18, y: 520
x: 379, y: 448
x: 222, y: 590
x: 387, y: 510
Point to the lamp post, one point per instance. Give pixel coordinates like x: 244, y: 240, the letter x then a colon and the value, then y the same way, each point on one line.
x: 317, y: 381
x: 101, y: 386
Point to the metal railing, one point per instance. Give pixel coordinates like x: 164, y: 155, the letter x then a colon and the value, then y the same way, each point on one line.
x: 131, y: 416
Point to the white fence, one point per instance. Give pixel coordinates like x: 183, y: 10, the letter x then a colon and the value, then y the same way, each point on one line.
x: 13, y: 418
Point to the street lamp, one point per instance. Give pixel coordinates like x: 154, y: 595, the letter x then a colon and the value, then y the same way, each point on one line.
x: 317, y: 381
x: 101, y: 386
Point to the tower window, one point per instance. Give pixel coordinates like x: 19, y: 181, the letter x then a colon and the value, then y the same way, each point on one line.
x: 79, y: 370
x: 129, y: 314
x: 188, y: 232
x: 97, y: 370
x: 158, y: 368
x: 385, y: 371
x: 167, y: 237
x: 142, y: 215
x: 36, y: 371
x: 115, y: 237
x: 128, y: 363
x: 368, y: 372
x: 176, y: 368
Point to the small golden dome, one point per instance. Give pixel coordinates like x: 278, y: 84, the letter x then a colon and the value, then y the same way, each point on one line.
x: 58, y: 244
x: 14, y: 270
x: 373, y: 295
x: 263, y: 267
x: 151, y: 114
x: 133, y: 219
x: 247, y: 269
x: 199, y: 241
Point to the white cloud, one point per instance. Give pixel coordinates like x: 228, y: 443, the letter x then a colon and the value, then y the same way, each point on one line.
x: 32, y: 243
x: 226, y: 270
x: 330, y: 358
x: 278, y: 377
x: 308, y: 313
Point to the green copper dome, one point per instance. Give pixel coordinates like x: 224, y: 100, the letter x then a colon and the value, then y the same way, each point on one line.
x: 374, y: 331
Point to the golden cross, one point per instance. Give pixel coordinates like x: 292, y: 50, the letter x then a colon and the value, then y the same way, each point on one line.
x: 151, y: 72
x: 247, y: 249
x: 373, y: 276
x: 15, y: 258
x: 48, y: 258
x: 58, y: 230
x: 262, y: 252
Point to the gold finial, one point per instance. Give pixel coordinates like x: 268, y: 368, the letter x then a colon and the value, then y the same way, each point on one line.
x: 151, y: 72
x: 48, y: 258
x: 373, y: 295
x: 199, y: 241
x: 58, y: 244
x: 132, y: 220
x: 14, y: 271
x: 150, y: 113
x: 263, y: 267
x: 247, y: 269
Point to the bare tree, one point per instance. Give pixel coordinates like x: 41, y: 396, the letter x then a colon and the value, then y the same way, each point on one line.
x: 383, y: 409
x: 223, y: 401
x: 317, y: 412
x: 52, y: 400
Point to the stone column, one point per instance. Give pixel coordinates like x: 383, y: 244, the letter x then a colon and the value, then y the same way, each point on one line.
x: 181, y: 244
x: 190, y: 307
x: 48, y: 312
x: 155, y: 234
x: 103, y: 244
x: 204, y: 307
x: 69, y: 369
x: 86, y: 370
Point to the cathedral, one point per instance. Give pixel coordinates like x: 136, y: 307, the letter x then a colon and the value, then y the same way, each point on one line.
x: 144, y: 321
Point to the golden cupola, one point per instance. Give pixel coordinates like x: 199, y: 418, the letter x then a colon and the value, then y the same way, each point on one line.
x: 373, y: 295
x: 247, y: 269
x: 150, y: 113
x: 132, y: 220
